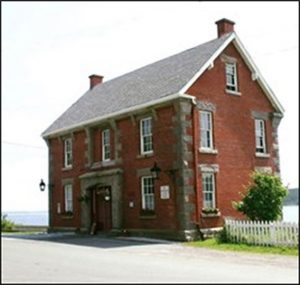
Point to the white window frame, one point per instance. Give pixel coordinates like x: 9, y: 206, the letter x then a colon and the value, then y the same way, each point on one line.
x: 211, y: 203
x: 68, y: 191
x: 206, y: 132
x: 106, y: 145
x: 68, y: 153
x: 260, y: 136
x: 148, y: 199
x: 146, y: 133
x: 231, y: 75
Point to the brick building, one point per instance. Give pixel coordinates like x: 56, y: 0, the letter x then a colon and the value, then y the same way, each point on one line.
x: 203, y: 119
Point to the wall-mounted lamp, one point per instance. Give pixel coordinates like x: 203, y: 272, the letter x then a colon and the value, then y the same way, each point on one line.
x: 155, y: 170
x: 107, y: 195
x: 43, y: 185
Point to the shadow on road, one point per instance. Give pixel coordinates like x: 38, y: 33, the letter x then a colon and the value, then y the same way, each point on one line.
x: 98, y: 240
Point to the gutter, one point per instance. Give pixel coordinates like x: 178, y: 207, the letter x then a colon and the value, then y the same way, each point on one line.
x: 116, y: 114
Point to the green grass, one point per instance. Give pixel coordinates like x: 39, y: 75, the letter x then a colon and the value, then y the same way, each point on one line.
x: 22, y: 232
x: 213, y: 244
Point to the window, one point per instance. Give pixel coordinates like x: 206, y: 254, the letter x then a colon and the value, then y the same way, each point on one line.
x: 231, y: 77
x: 68, y: 198
x: 106, y: 145
x: 206, y: 130
x: 260, y: 138
x: 208, y: 185
x: 146, y: 135
x: 68, y: 152
x: 147, y: 193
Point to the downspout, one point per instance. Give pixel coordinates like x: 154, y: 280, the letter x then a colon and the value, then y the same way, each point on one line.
x: 195, y: 143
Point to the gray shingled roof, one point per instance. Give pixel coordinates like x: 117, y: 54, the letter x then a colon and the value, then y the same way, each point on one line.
x: 154, y: 81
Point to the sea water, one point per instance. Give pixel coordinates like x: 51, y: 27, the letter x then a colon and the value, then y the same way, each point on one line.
x: 291, y: 214
x: 38, y: 218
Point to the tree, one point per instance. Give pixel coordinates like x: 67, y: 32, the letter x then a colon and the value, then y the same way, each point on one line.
x: 6, y: 224
x: 263, y: 199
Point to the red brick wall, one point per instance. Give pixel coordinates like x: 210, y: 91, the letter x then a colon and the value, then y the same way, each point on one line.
x: 164, y: 150
x: 163, y: 146
x: 234, y: 134
x: 59, y: 173
x: 97, y: 139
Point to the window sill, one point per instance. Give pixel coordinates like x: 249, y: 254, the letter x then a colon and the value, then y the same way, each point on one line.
x: 67, y: 168
x: 67, y: 217
x: 231, y: 92
x: 208, y: 150
x: 211, y: 215
x: 262, y: 155
x: 145, y: 155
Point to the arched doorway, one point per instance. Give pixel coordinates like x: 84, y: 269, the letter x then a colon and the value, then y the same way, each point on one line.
x: 106, y: 214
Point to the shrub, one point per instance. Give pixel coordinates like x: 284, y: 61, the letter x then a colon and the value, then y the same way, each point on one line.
x: 222, y: 236
x: 263, y: 199
x: 6, y: 224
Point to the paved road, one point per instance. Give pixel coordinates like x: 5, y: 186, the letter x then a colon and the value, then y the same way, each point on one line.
x: 96, y: 259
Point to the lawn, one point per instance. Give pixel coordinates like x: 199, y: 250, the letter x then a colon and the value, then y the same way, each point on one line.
x: 213, y: 244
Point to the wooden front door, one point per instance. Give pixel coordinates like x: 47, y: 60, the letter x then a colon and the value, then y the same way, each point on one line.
x: 102, y: 209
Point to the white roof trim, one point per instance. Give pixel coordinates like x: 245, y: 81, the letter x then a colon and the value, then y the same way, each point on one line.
x: 254, y: 69
x: 250, y: 63
x: 207, y: 64
x: 115, y: 114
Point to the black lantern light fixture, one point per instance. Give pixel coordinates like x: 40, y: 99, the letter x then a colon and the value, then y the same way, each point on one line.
x: 42, y: 185
x: 155, y: 170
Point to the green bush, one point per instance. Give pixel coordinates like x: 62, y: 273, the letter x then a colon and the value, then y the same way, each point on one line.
x: 6, y: 224
x: 263, y: 199
x: 222, y: 236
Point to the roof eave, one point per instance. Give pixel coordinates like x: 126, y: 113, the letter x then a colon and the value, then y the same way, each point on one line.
x: 207, y: 64
x: 120, y: 113
x: 250, y: 63
x: 260, y: 79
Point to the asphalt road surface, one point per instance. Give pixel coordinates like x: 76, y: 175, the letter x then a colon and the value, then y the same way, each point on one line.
x: 95, y: 259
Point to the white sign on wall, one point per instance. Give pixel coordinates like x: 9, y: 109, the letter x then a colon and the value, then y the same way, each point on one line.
x: 165, y: 192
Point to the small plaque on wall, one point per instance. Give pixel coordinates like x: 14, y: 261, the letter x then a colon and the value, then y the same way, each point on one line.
x: 165, y: 192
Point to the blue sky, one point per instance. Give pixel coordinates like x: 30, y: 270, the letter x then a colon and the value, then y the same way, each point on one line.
x: 50, y: 48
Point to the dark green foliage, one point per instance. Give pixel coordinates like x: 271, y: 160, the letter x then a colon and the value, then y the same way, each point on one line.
x: 263, y: 199
x: 222, y: 236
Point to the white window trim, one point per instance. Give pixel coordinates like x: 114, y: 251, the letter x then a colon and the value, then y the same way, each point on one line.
x: 68, y: 200
x: 261, y: 129
x: 66, y: 152
x: 103, y: 134
x: 233, y: 92
x: 235, y: 85
x: 209, y: 149
x: 143, y: 178
x: 209, y: 174
x: 262, y: 155
x: 142, y: 136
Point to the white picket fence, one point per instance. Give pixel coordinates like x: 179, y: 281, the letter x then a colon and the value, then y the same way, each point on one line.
x: 262, y: 233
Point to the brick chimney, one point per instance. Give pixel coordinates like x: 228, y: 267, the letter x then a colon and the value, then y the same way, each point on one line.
x: 225, y: 26
x: 95, y: 80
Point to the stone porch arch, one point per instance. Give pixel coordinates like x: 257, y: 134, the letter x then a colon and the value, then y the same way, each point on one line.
x: 112, y: 178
